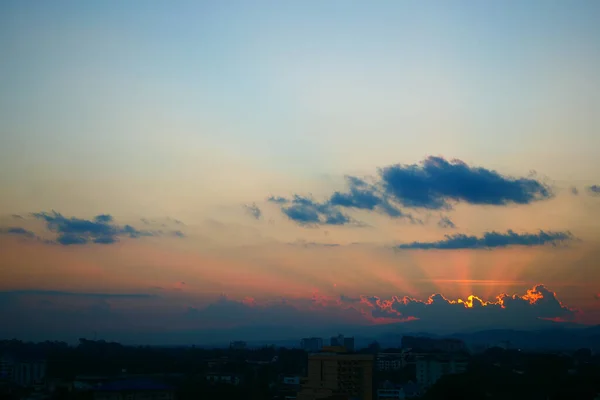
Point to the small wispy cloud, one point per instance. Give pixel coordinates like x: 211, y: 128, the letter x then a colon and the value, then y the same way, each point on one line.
x: 594, y: 190
x: 446, y: 223
x: 253, y: 210
x: 70, y: 231
x: 17, y: 231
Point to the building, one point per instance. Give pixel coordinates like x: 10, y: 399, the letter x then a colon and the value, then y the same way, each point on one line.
x: 426, y: 345
x: 336, y: 373
x: 349, y: 344
x: 23, y: 372
x: 430, y: 368
x: 291, y: 380
x: 134, y: 389
x: 29, y: 373
x: 312, y: 345
x: 229, y: 379
x: 391, y: 361
x: 341, y: 341
x: 6, y: 368
x: 389, y: 390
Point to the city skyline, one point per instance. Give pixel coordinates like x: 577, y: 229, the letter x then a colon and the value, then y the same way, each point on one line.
x: 208, y: 166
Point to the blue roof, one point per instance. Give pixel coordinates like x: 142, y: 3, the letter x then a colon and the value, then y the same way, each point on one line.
x: 133, y: 384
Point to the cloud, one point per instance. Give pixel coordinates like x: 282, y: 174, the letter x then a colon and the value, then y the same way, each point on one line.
x: 58, y: 293
x: 364, y: 196
x: 446, y: 222
x: 436, y: 182
x: 277, y: 199
x: 18, y: 231
x: 17, y: 216
x: 504, y: 311
x: 253, y: 210
x: 491, y: 240
x: 594, y: 190
x: 574, y: 191
x: 361, y: 196
x: 303, y: 243
x: 306, y: 211
x: 100, y: 230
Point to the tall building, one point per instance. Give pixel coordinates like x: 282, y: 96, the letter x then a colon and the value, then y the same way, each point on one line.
x: 341, y: 341
x: 312, y: 344
x: 6, y: 368
x: 337, y: 341
x: 349, y: 344
x: 338, y: 374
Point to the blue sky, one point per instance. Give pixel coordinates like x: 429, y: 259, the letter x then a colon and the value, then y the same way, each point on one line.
x: 198, y: 111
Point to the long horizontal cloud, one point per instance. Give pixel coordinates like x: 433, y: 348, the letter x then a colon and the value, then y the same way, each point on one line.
x: 435, y: 183
x: 101, y: 229
x: 506, y: 310
x: 492, y: 239
x: 77, y: 231
x: 17, y: 231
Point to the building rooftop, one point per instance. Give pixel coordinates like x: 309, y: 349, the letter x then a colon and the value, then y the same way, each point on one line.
x: 133, y: 384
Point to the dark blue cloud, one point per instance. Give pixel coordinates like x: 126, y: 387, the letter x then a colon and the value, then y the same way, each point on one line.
x: 364, y: 196
x: 306, y: 211
x: 436, y: 182
x: 594, y: 190
x: 17, y: 231
x: 253, y: 210
x: 76, y: 231
x: 67, y: 239
x: 361, y: 195
x: 105, y: 218
x: 446, y: 222
x: 491, y: 240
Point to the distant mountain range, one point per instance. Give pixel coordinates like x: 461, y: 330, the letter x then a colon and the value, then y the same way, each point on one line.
x: 555, y: 336
x: 547, y: 335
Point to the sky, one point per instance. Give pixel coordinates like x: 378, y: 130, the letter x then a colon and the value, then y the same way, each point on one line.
x: 253, y: 169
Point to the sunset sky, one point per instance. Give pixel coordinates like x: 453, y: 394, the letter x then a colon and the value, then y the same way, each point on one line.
x: 222, y: 166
